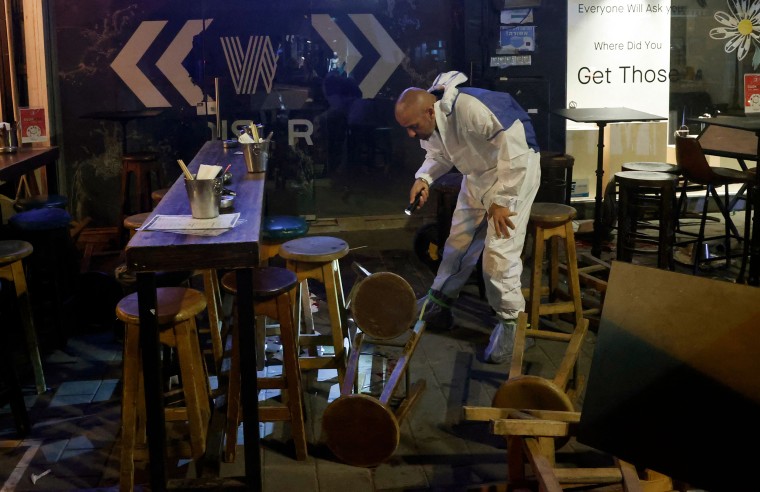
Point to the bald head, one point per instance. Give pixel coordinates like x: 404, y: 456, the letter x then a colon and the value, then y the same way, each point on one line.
x: 415, y: 111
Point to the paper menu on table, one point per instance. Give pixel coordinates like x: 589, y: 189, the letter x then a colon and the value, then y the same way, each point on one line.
x: 187, y: 222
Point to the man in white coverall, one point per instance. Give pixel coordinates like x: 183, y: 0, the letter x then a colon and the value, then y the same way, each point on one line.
x: 490, y: 140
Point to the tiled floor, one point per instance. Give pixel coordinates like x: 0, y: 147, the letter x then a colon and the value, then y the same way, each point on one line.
x: 74, y: 443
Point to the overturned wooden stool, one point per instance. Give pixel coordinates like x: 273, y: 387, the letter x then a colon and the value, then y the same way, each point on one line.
x: 359, y: 429
x: 537, y: 416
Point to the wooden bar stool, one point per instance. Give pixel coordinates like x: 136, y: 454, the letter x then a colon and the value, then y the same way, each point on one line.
x: 271, y: 294
x: 276, y: 230
x: 157, y: 195
x: 134, y: 222
x: 141, y: 166
x: 177, y: 308
x: 359, y: 429
x: 553, y: 221
x: 316, y: 257
x: 210, y: 289
x: 12, y: 253
x: 646, y: 195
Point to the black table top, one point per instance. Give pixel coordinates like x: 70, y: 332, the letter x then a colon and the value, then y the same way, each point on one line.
x: 605, y: 115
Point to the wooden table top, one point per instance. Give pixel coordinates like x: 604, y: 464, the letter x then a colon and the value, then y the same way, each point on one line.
x: 235, y: 248
x: 24, y: 160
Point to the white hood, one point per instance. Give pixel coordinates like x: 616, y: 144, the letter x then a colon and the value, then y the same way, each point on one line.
x: 448, y: 81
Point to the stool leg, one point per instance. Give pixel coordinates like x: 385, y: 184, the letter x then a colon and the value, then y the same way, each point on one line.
x: 336, y: 306
x: 233, y: 392
x: 194, y: 385
x: 573, y: 279
x: 214, y: 303
x: 292, y: 375
x: 129, y: 402
x: 25, y: 310
x: 536, y: 276
x: 667, y: 230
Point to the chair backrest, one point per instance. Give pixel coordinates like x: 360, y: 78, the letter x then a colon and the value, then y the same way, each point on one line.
x: 692, y: 161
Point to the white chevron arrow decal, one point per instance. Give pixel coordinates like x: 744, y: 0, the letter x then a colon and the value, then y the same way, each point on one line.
x: 125, y: 64
x: 337, y: 40
x: 391, y: 55
x: 170, y: 62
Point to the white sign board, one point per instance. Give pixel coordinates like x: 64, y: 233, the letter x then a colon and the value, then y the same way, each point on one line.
x: 618, y: 54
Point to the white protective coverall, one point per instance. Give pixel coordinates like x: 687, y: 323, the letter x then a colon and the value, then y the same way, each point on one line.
x: 491, y: 141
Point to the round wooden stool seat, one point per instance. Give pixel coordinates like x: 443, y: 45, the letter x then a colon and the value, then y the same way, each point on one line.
x: 551, y: 214
x: 157, y: 195
x: 660, y: 167
x: 533, y: 392
x: 314, y: 249
x: 383, y: 305
x: 267, y: 282
x: 360, y: 430
x: 135, y: 221
x: 175, y: 304
x: 12, y: 250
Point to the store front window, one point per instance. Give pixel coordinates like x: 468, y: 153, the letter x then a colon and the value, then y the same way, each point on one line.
x: 711, y: 52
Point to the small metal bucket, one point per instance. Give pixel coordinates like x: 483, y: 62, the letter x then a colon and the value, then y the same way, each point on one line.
x: 204, y: 196
x: 256, y: 156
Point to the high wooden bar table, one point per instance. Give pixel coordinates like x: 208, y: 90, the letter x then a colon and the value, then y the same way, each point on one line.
x: 27, y: 159
x: 601, y: 117
x: 237, y: 248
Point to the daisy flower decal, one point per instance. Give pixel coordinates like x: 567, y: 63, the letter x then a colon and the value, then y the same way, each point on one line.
x: 741, y: 28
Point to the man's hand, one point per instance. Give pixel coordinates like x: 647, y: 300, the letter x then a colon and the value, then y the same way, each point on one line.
x: 420, y: 185
x: 501, y: 220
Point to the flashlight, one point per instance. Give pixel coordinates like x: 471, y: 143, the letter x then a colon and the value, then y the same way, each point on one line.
x: 413, y: 206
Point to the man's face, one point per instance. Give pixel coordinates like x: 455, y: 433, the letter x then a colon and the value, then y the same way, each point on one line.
x: 419, y: 124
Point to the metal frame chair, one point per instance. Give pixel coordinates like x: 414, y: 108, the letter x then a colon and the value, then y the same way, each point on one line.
x: 695, y: 168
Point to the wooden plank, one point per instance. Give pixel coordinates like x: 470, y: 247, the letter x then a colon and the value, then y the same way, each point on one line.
x: 519, y: 427
x: 629, y: 476
x: 541, y: 466
x: 588, y: 475
x: 492, y: 413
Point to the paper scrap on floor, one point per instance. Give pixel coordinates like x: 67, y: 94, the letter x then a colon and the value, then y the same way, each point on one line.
x: 186, y: 224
